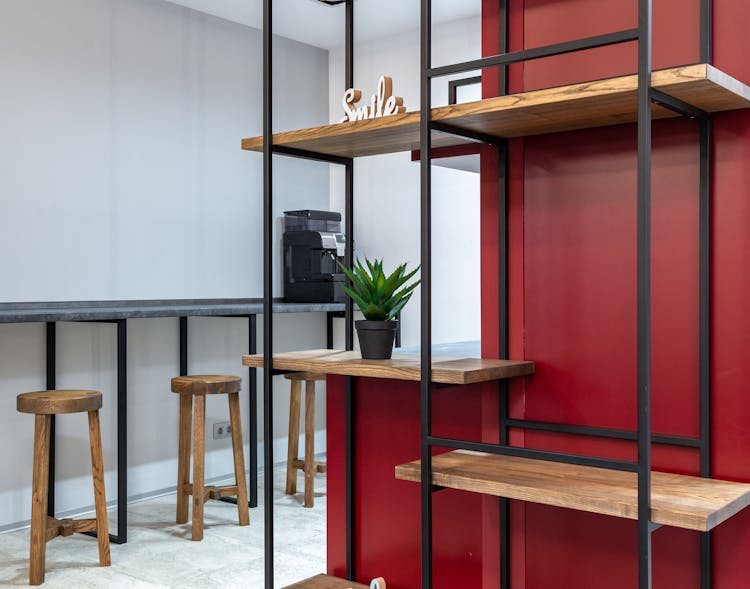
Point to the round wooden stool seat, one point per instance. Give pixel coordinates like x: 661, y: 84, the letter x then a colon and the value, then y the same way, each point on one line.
x: 305, y: 376
x: 58, y: 402
x: 206, y: 384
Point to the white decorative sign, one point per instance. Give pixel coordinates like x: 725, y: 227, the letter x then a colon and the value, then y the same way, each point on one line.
x: 381, y: 104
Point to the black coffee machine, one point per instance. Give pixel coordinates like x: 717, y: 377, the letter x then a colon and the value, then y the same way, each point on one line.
x: 313, y: 243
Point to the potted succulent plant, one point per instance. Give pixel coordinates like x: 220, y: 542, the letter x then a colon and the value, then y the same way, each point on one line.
x: 380, y: 298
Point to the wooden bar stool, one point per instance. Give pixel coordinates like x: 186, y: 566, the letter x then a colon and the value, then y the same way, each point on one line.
x: 200, y: 386
x: 309, y: 465
x: 44, y: 404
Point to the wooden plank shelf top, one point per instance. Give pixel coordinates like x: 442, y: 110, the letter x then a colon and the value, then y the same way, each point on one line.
x: 326, y: 582
x: 599, y: 103
x: 676, y: 500
x: 456, y: 371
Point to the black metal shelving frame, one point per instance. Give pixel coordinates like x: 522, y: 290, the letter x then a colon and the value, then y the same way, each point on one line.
x: 643, y: 436
x: 642, y: 34
x: 269, y: 150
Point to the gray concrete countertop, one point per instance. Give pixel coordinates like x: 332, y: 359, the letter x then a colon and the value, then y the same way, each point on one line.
x: 134, y: 309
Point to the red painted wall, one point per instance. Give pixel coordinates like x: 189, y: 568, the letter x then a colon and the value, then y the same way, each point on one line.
x: 573, y: 279
x: 387, y: 511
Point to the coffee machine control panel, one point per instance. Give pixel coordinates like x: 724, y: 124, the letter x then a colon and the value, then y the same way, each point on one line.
x: 334, y: 241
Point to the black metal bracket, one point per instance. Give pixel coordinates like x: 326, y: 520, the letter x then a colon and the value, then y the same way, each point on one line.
x: 469, y: 134
x: 679, y: 106
x: 310, y: 155
x: 454, y: 85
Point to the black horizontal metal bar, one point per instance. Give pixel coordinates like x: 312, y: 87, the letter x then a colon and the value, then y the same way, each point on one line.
x: 114, y: 539
x: 233, y: 501
x: 536, y: 53
x: 310, y: 155
x: 466, y: 133
x: 601, y: 432
x: 677, y: 105
x: 531, y: 453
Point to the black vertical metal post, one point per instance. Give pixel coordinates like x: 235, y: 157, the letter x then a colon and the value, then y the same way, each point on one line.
x: 425, y: 146
x: 504, y: 350
x: 705, y: 329
x: 122, y: 432
x: 329, y: 329
x: 252, y: 392
x: 644, y: 294
x: 51, y: 373
x: 183, y: 346
x: 503, y: 46
x: 349, y: 313
x: 706, y: 53
x: 268, y: 290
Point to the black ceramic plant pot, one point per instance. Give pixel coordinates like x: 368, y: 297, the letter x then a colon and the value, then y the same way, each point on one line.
x: 376, y: 338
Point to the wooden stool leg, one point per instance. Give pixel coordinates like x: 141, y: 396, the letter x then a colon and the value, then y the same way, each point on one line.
x: 183, y: 457
x: 239, y: 458
x: 100, y: 498
x: 309, y: 443
x: 293, y: 446
x: 199, y: 456
x: 39, y: 500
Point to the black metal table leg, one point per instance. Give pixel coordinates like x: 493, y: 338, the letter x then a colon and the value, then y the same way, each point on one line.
x: 253, y: 410
x: 122, y: 434
x: 51, y: 372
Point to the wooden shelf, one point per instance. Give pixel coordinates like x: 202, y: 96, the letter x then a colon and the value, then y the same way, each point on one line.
x: 326, y: 582
x: 457, y: 371
x: 578, y: 106
x: 676, y: 500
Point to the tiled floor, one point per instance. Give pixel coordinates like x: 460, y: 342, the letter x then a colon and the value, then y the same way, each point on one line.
x: 159, y: 552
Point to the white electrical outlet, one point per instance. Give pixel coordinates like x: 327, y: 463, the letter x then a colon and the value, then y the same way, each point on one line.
x: 222, y: 429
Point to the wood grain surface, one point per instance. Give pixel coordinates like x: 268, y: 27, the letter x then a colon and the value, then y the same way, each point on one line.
x: 578, y: 106
x: 238, y: 452
x: 58, y: 402
x: 305, y: 376
x: 292, y: 448
x: 100, y: 496
x: 676, y: 500
x: 183, y: 457
x: 206, y: 384
x: 199, y: 462
x: 326, y: 582
x: 309, y: 470
x: 400, y: 367
x: 39, y: 490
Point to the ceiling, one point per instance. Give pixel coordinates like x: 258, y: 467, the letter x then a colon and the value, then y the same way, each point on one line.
x: 315, y: 23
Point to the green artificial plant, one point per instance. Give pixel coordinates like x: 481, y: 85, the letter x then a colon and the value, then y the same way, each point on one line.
x: 378, y: 296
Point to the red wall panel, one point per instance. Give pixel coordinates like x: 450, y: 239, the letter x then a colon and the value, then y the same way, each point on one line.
x: 573, y: 246
x: 387, y: 511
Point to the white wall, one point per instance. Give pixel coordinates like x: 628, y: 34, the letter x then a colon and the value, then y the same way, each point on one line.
x: 121, y: 177
x: 386, y: 189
